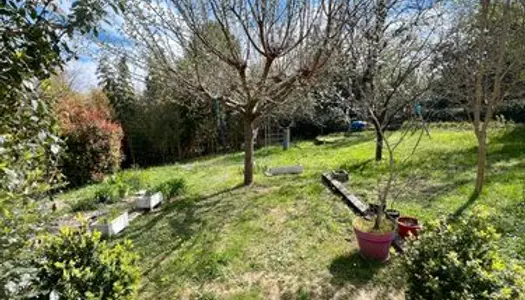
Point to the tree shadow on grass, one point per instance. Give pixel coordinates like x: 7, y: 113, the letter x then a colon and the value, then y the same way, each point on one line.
x: 347, y: 141
x: 460, y: 210
x: 509, y: 145
x: 515, y: 134
x: 353, y: 268
x: 427, y: 195
x: 181, y: 205
x: 356, y: 167
x: 186, y: 219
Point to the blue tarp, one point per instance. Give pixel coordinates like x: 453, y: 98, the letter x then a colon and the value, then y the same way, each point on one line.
x: 357, y: 125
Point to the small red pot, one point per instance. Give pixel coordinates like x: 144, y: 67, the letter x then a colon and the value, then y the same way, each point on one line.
x: 374, y: 246
x: 408, y: 226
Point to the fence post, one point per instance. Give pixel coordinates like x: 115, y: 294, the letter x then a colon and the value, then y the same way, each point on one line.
x: 286, y: 138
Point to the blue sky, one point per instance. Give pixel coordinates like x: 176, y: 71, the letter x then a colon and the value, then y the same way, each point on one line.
x: 82, y: 71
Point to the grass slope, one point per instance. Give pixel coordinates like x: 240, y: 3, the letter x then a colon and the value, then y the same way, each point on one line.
x: 288, y: 237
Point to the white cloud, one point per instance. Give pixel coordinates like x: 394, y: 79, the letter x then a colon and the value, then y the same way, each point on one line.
x: 82, y: 73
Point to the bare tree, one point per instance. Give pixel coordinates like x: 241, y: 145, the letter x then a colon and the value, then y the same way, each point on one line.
x: 250, y: 55
x: 388, y: 185
x: 482, y: 65
x: 386, y: 59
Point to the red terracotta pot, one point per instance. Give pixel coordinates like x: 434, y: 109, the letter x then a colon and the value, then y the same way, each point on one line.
x: 374, y: 246
x: 408, y: 226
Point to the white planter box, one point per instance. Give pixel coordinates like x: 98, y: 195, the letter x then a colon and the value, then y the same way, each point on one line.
x: 114, y: 227
x: 148, y: 201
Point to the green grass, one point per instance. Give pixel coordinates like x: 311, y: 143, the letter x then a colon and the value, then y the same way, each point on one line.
x: 288, y: 237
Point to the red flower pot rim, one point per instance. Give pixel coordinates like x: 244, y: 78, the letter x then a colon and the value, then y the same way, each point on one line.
x: 405, y: 230
x: 402, y: 218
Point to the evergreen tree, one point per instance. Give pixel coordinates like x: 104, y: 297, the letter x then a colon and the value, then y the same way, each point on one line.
x: 124, y: 94
x: 116, y: 84
x: 107, y: 80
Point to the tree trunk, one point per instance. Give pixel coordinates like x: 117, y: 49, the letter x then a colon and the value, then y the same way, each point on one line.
x: 249, y: 139
x: 131, y: 151
x: 379, y: 145
x: 379, y: 217
x: 482, y: 158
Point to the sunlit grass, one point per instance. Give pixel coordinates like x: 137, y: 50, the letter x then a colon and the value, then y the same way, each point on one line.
x: 289, y: 237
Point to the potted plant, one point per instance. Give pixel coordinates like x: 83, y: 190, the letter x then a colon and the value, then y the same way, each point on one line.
x: 340, y: 175
x: 393, y: 214
x: 111, y: 223
x: 376, y: 231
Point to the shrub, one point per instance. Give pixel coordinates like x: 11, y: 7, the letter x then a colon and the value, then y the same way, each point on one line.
x: 92, y: 141
x: 513, y: 110
x: 76, y: 264
x: 120, y: 186
x: 460, y: 261
x: 84, y: 205
x: 109, y: 193
x: 114, y: 188
x: 136, y: 180
x: 171, y: 188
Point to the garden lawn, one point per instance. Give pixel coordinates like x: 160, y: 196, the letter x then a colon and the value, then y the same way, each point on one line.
x: 288, y: 237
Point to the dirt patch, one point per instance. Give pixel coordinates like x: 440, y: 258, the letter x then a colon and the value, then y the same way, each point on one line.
x: 278, y: 286
x: 262, y: 189
x: 277, y: 215
x: 74, y: 221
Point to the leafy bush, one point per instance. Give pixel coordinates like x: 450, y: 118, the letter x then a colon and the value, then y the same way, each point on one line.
x: 92, y: 139
x: 76, y: 264
x: 121, y: 185
x: 84, y: 205
x: 109, y: 193
x: 106, y: 194
x: 136, y: 181
x: 29, y: 148
x: 460, y: 261
x: 114, y: 188
x: 171, y: 188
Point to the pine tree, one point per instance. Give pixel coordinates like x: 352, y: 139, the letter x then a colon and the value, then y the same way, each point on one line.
x: 125, y: 96
x: 116, y: 84
x: 107, y: 80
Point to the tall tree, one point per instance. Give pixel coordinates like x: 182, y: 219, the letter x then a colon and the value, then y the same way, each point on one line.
x: 266, y: 50
x: 124, y: 90
x: 384, y: 65
x: 117, y: 84
x: 107, y: 78
x: 482, y: 65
